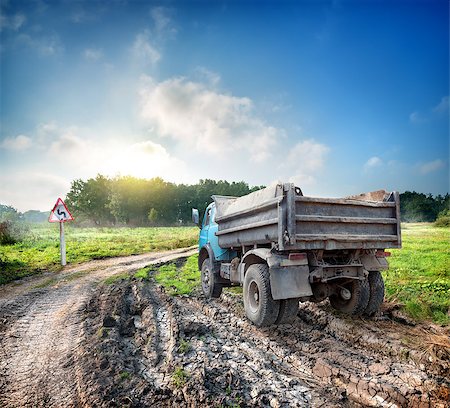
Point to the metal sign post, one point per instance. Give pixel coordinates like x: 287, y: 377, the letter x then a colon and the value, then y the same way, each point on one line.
x: 61, y: 214
x: 62, y: 243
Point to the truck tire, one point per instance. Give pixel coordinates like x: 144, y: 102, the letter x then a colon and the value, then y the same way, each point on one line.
x: 211, y: 288
x: 376, y: 288
x: 288, y: 311
x: 359, y: 297
x: 259, y: 305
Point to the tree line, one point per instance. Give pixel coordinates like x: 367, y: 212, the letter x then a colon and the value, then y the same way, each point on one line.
x: 140, y: 202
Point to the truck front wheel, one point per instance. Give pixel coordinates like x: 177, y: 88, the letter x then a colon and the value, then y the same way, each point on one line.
x: 259, y: 305
x: 351, y: 297
x: 211, y: 288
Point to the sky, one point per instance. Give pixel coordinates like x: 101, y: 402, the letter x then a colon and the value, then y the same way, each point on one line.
x: 339, y: 97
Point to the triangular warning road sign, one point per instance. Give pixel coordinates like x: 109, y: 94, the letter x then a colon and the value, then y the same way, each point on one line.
x: 60, y: 212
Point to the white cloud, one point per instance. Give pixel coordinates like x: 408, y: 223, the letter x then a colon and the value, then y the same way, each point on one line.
x: 92, y: 54
x: 305, y: 160
x: 200, y: 118
x: 162, y: 21
x: 143, y: 50
x: 20, y: 142
x: 211, y: 77
x: 415, y: 117
x: 14, y: 22
x: 431, y: 166
x: 45, y: 46
x: 68, y: 144
x: 32, y: 189
x: 373, y: 162
x: 442, y: 106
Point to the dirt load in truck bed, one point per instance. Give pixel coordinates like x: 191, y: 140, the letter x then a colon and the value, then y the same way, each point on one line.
x: 76, y: 341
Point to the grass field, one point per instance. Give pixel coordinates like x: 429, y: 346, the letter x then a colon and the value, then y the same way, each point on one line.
x: 40, y: 250
x: 419, y: 274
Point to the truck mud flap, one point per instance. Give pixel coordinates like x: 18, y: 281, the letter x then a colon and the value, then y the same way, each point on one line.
x: 290, y: 282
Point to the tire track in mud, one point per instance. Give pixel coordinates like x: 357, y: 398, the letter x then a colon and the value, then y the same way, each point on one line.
x: 316, y: 362
x: 40, y: 333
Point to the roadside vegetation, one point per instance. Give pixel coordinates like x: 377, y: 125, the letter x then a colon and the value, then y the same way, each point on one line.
x: 443, y: 219
x: 419, y: 274
x: 176, y: 279
x: 39, y: 249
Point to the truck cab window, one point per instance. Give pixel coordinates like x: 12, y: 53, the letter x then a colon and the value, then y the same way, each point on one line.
x: 208, y: 216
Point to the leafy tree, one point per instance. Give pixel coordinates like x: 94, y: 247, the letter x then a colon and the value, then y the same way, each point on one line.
x: 153, y: 216
x: 90, y: 199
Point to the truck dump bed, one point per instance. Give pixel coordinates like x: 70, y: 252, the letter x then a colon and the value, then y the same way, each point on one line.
x: 281, y: 215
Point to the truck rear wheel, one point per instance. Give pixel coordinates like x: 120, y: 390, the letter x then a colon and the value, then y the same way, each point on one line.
x: 288, y: 311
x: 376, y: 287
x: 211, y: 288
x: 259, y: 305
x: 352, y: 297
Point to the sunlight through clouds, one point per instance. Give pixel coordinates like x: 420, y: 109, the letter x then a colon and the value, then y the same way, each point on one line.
x: 196, y: 115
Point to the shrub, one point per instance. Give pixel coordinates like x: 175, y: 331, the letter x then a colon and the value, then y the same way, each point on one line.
x: 10, y: 232
x: 12, y: 227
x: 443, y: 219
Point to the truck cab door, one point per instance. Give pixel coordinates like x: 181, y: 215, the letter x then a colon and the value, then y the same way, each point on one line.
x: 204, y: 231
x: 213, y: 240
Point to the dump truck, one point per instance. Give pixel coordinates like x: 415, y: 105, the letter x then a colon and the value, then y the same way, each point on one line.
x: 284, y: 247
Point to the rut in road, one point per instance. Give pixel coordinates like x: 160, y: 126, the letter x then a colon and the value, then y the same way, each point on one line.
x: 158, y: 350
x: 40, y: 332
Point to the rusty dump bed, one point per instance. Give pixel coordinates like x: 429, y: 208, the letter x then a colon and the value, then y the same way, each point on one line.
x: 281, y: 215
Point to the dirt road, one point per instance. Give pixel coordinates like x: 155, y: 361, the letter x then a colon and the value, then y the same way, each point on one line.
x: 75, y: 342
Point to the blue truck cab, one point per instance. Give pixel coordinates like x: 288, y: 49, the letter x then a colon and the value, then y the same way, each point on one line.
x: 210, y: 253
x: 209, y: 238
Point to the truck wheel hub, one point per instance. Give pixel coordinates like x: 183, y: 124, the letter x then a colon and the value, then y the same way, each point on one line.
x: 253, y: 296
x: 346, y: 294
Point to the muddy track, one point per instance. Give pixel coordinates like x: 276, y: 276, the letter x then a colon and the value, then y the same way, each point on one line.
x: 130, y: 344
x: 40, y: 330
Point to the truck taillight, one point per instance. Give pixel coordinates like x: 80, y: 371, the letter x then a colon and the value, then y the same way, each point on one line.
x: 382, y: 254
x: 297, y: 257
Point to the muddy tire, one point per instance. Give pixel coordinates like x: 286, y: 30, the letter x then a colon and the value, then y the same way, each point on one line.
x: 288, y: 311
x: 211, y: 288
x: 376, y: 288
x: 356, y: 304
x: 259, y: 305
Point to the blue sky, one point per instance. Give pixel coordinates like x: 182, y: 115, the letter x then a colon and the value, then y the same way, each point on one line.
x: 339, y: 97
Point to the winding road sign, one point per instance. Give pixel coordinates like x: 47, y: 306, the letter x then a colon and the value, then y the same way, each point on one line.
x: 60, y: 213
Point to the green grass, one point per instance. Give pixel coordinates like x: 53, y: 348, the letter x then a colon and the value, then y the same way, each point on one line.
x: 419, y: 274
x: 184, y: 346
x: 141, y: 273
x: 179, y: 281
x: 115, y: 278
x: 179, y: 377
x: 40, y: 249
